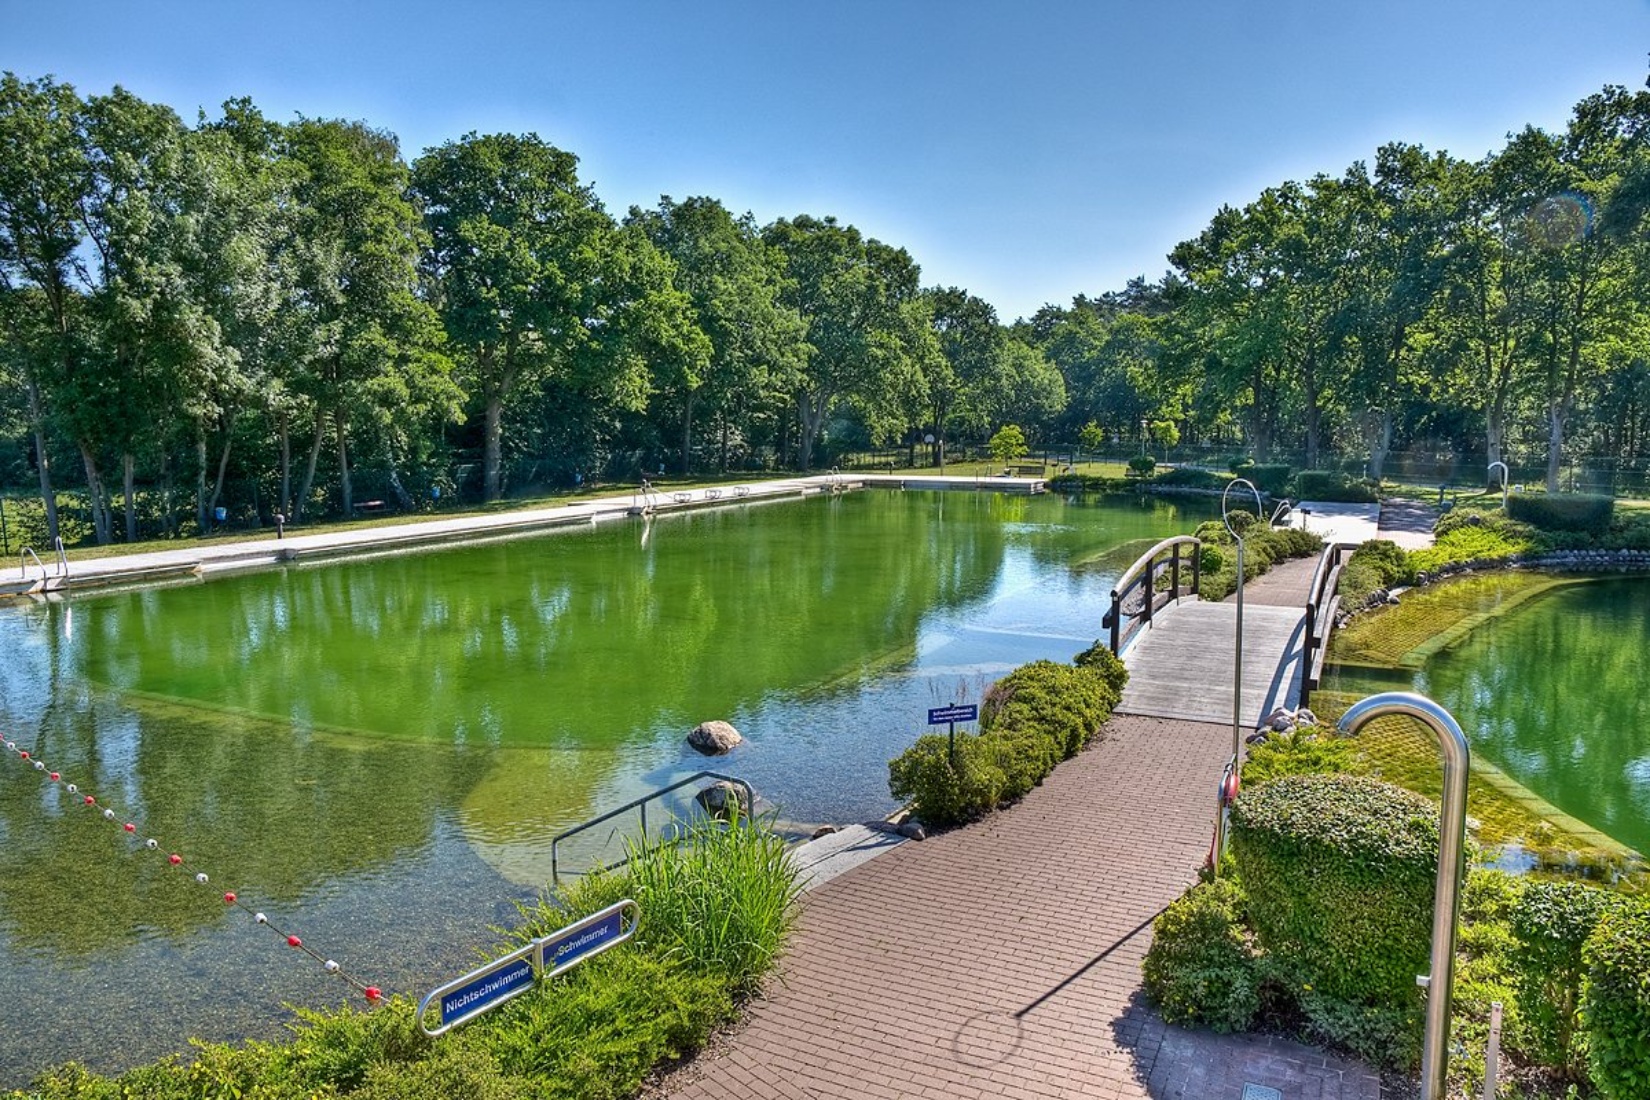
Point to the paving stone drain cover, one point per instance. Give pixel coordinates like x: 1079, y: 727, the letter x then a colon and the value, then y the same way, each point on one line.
x: 1260, y: 1092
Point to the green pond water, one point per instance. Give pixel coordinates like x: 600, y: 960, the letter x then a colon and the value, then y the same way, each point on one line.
x: 377, y: 752
x: 1555, y: 692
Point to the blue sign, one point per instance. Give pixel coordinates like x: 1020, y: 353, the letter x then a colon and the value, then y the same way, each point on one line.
x: 517, y: 972
x: 579, y: 941
x: 483, y: 989
x: 962, y: 712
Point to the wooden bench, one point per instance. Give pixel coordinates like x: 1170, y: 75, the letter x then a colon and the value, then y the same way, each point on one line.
x: 1026, y: 470
x: 370, y: 507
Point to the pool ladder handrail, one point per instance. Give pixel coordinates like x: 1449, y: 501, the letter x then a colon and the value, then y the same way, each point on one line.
x: 23, y: 564
x: 639, y: 804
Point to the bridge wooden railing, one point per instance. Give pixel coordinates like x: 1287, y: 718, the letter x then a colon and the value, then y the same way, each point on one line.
x: 1141, y: 579
x: 1321, y: 604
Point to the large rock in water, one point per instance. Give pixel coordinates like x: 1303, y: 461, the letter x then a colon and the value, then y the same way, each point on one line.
x: 714, y: 738
x: 720, y: 799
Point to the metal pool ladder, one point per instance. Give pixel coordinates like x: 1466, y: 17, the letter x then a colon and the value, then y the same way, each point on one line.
x: 639, y: 805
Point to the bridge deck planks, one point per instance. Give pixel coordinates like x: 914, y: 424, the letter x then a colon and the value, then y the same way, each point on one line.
x: 1181, y: 666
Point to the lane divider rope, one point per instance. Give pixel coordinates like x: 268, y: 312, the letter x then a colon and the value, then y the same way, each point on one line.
x: 372, y: 993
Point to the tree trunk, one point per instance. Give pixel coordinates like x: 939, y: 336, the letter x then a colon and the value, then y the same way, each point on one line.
x: 492, y: 456
x: 1314, y: 415
x: 223, y: 466
x: 1555, y: 444
x: 811, y: 413
x: 201, y: 517
x: 285, y: 507
x: 42, y: 461
x: 345, y: 487
x: 1381, y: 446
x: 309, y: 471
x: 687, y: 432
x: 169, y: 518
x: 403, y: 499
x: 128, y: 472
x: 722, y: 461
x: 99, y: 501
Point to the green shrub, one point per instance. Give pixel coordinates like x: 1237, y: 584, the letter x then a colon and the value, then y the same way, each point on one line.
x: 1191, y: 477
x: 1065, y: 703
x: 1467, y: 543
x: 1142, y: 465
x: 1339, y: 871
x: 1332, y: 485
x: 1551, y: 922
x: 1100, y: 660
x: 1023, y: 754
x: 1200, y: 969
x: 1387, y: 558
x: 942, y: 793
x: 1240, y: 465
x: 1615, y: 1002
x: 1385, y: 1034
x: 1562, y: 511
x: 1307, y: 751
x: 1269, y: 478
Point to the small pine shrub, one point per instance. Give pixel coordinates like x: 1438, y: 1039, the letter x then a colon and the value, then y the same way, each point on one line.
x: 1142, y: 465
x: 942, y: 793
x: 1200, y: 970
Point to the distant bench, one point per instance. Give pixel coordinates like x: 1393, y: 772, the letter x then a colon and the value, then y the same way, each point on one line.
x: 371, y: 507
x: 1026, y: 471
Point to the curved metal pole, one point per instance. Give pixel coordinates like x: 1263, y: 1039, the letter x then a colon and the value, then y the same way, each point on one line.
x: 1452, y: 832
x: 1504, y: 472
x: 1237, y: 661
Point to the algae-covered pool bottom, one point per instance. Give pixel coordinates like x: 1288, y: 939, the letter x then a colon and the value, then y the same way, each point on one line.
x: 1555, y: 692
x: 377, y: 753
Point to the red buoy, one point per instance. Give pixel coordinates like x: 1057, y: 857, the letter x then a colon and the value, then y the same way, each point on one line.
x: 90, y: 801
x: 229, y: 899
x: 294, y: 941
x: 174, y: 859
x: 129, y: 827
x: 24, y: 755
x: 55, y: 777
x: 373, y: 992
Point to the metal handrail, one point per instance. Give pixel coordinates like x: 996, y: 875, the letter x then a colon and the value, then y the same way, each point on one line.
x: 639, y: 804
x: 1143, y: 572
x: 649, y: 497
x: 23, y: 564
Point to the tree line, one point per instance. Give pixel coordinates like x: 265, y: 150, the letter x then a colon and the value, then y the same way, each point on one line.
x: 284, y: 315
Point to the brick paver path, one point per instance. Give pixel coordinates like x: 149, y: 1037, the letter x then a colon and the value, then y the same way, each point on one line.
x: 1003, y: 960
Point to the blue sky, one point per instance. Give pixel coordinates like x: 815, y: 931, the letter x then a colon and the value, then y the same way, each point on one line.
x: 1026, y: 151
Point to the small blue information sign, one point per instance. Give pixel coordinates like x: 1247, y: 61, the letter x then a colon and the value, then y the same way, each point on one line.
x: 562, y: 950
x: 962, y: 712
x: 516, y: 973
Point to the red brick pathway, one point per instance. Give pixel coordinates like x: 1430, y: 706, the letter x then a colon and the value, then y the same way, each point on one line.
x: 1003, y: 960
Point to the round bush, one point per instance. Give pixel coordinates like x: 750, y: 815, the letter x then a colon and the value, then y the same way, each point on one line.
x: 1552, y: 921
x: 1616, y: 1003
x: 1200, y: 969
x: 1340, y: 870
x: 941, y: 793
x: 1105, y: 664
x: 1064, y: 702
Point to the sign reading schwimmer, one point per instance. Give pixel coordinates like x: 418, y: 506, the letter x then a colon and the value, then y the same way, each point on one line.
x: 962, y: 712
x: 514, y: 974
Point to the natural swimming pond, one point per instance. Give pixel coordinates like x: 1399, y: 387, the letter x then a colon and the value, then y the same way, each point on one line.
x: 1555, y: 692
x: 378, y: 752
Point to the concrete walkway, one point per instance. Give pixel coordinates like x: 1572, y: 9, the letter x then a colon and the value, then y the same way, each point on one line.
x: 1003, y: 959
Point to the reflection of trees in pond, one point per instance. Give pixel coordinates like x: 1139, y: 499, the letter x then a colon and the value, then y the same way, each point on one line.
x: 264, y: 813
x: 1555, y: 692
x: 591, y: 635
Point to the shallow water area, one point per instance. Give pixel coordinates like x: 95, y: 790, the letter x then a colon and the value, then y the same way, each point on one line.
x: 1555, y: 692
x: 377, y: 753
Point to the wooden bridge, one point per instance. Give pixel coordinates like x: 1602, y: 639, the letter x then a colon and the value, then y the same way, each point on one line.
x: 1181, y: 650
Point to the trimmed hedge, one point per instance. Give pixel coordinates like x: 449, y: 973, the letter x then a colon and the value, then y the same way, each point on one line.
x: 1616, y: 1002
x: 1332, y: 485
x: 1339, y: 870
x: 1269, y: 478
x: 1200, y: 970
x: 1033, y: 718
x: 1563, y: 511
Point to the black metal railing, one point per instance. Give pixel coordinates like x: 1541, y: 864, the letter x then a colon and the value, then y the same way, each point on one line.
x: 640, y: 806
x: 1166, y: 558
x: 1322, y: 602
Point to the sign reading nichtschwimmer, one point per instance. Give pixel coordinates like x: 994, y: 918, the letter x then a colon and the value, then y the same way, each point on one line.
x: 962, y: 712
x: 508, y: 977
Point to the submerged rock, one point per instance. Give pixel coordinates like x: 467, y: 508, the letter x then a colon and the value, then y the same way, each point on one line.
x: 714, y: 738
x: 721, y: 798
